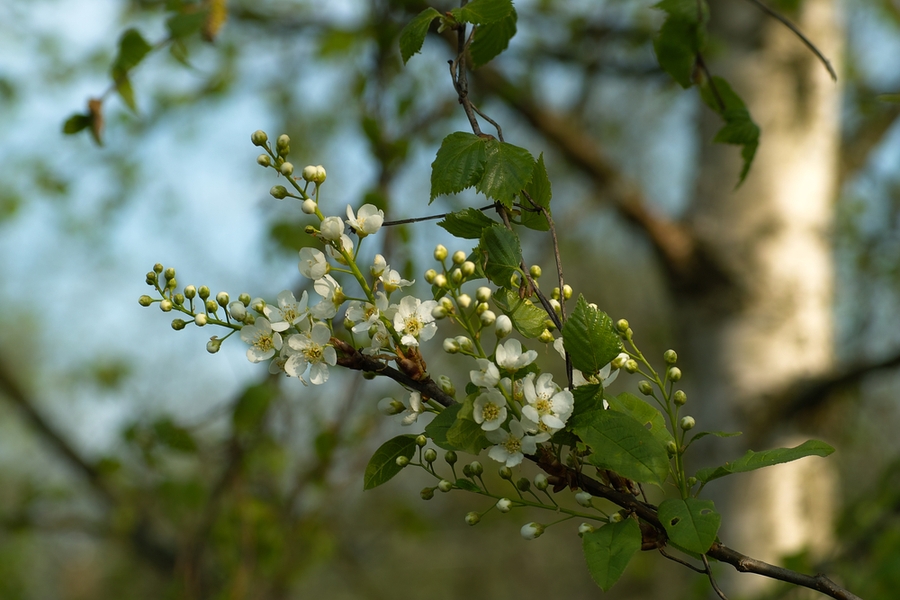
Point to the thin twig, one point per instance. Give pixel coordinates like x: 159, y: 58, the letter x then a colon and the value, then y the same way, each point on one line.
x: 712, y: 580
x: 491, y: 121
x: 430, y: 217
x: 778, y: 16
x: 683, y: 563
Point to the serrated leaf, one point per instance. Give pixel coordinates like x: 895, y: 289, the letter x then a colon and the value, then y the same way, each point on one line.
x: 492, y: 39
x: 621, y: 444
x: 692, y: 524
x: 468, y: 224
x: 681, y: 37
x: 482, y: 12
x: 590, y: 338
x: 383, y: 464
x: 507, y: 169
x: 467, y: 435
x: 642, y: 412
x: 538, y: 189
x: 527, y: 317
x: 185, y: 25
x: 757, y: 460
x: 587, y: 398
x: 459, y: 164
x: 501, y: 254
x: 441, y: 424
x: 413, y: 35
x: 609, y: 549
x: 739, y: 128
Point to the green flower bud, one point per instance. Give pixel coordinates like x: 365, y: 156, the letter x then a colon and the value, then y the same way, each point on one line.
x: 200, y: 320
x: 546, y: 337
x: 616, y: 517
x: 450, y: 457
x: 645, y: 388
x: 279, y: 192
x: 671, y: 448
x: 504, y: 505
x: 440, y: 252
x: 532, y: 530
x: 430, y: 455
x: 203, y: 292
x: 440, y: 280
x: 286, y: 169
x: 540, y: 481
x: 468, y: 268
x: 691, y: 481
x: 488, y: 318
x: 567, y: 292
x: 259, y: 137
x: 309, y: 173
x: 264, y: 160
x: 444, y: 485
x: 631, y: 365
x: 170, y: 273
x: 427, y: 493
x: 585, y: 528
x: 213, y: 345
x: 430, y: 274
x: 523, y: 484
x: 674, y: 373
x: 244, y: 299
x: 157, y: 268
x: 481, y: 307
x: 622, y: 325
x: 145, y: 300
x: 320, y: 175
x: 584, y: 499
x: 283, y: 144
x: 465, y: 344
x: 222, y: 299
x: 178, y: 324
x: 456, y: 276
x: 505, y: 473
x: 687, y: 423
x: 421, y: 440
x: 472, y: 518
x: 390, y: 406
x: 190, y: 292
x: 535, y: 271
x: 476, y: 468
x: 211, y: 306
x: 483, y: 294
x: 446, y: 385
x: 447, y: 304
x: 459, y: 257
x: 670, y: 356
x: 450, y: 346
x: 178, y: 299
x: 679, y: 397
x: 171, y: 284
x: 165, y: 305
x: 402, y: 461
x: 151, y: 278
x: 258, y: 304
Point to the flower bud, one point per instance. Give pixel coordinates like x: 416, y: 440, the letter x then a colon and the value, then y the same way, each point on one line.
x: 178, y: 324
x: 523, y: 484
x: 584, y: 499
x: 439, y: 312
x: 622, y: 325
x: 483, y: 294
x: 287, y: 169
x: 535, y: 271
x: 619, y: 361
x: 151, y: 278
x: 476, y: 468
x: 616, y: 517
x: 465, y: 344
x: 430, y: 274
x: 546, y: 337
x: 200, y: 320
x: 445, y: 486
x: 481, y: 307
x: 178, y: 299
x: 421, y: 440
x: 430, y: 455
x: 464, y: 300
x: 468, y: 268
x: 671, y: 448
x: 190, y: 292
x: 402, y: 461
x: 585, y: 528
x: 567, y: 292
x: 279, y: 192
x: 472, y: 518
x: 679, y: 397
x: 390, y: 406
x: 456, y: 276
x: 170, y: 273
x: 503, y: 326
x: 165, y: 305
x: 211, y: 306
x: 532, y: 530
x: 427, y: 493
x: 264, y: 160
x: 674, y: 373
x: 222, y: 299
x: 259, y: 137
x: 691, y: 481
x: 447, y: 304
x: 145, y: 300
x: 446, y: 385
x: 687, y: 423
x: 631, y: 365
x: 258, y: 304
x: 320, y: 175
x: 488, y: 318
x: 203, y: 292
x: 238, y: 310
x: 213, y: 345
x: 505, y: 473
x: 504, y: 505
x: 158, y: 268
x: 440, y: 280
x: 645, y: 388
x: 459, y: 257
x: 450, y: 457
x: 451, y: 346
x: 540, y: 481
x: 440, y: 252
x: 670, y: 356
x: 308, y: 206
x: 283, y: 143
x: 332, y: 228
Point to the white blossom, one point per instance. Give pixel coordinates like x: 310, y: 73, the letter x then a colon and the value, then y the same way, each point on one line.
x: 312, y: 263
x: 365, y: 315
x: 487, y: 374
x: 392, y: 280
x: 345, y: 244
x: 332, y: 297
x: 367, y: 221
x: 414, y: 321
x: 511, y: 446
x: 263, y: 340
x: 546, y: 403
x: 332, y: 228
x: 510, y: 356
x: 490, y: 409
x: 378, y: 265
x: 312, y: 350
x: 415, y: 409
x: 289, y: 312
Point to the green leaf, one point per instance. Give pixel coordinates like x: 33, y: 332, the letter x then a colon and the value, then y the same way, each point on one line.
x: 608, y: 550
x: 467, y: 224
x: 459, y: 164
x: 123, y: 86
x: 76, y: 123
x: 467, y: 435
x: 187, y: 24
x: 539, y: 191
x: 720, y: 434
x: 501, y: 252
x: 482, y: 12
x: 757, y: 460
x: 251, y: 407
x: 681, y: 37
x: 739, y: 128
x: 383, y: 464
x: 507, y: 170
x: 642, y: 412
x: 621, y: 444
x: 174, y: 436
x: 413, y: 35
x: 528, y: 318
x: 441, y: 424
x: 492, y: 39
x: 590, y: 338
x: 132, y: 50
x: 587, y: 398
x: 692, y: 524
x: 465, y: 484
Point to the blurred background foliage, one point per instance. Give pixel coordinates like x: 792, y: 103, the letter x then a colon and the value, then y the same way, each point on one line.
x: 134, y: 465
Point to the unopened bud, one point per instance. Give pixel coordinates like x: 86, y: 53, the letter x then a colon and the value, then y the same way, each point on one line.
x: 523, y: 484
x: 421, y: 440
x: 213, y: 345
x: 287, y: 169
x: 459, y: 257
x: 504, y: 505
x: 145, y: 300
x: 503, y: 326
x: 264, y: 160
x: 584, y: 499
x: 472, y: 518
x: 190, y: 292
x: 464, y: 300
x: 631, y: 365
x: 165, y: 305
x: 200, y: 320
x: 430, y: 455
x: 585, y: 528
x: 645, y: 388
x: 430, y: 274
x: 440, y: 252
x: 540, y: 481
x: 674, y: 373
x: 279, y: 192
x: 488, y: 318
x: 567, y: 292
x: 483, y: 294
x: 450, y: 457
x: 671, y: 357
x: 451, y: 346
x: 532, y: 530
x: 445, y: 486
x: 402, y: 461
x: 679, y: 397
x: 468, y: 268
x: 427, y: 493
x: 259, y: 137
x: 178, y: 324
x: 622, y: 325
x: 687, y: 423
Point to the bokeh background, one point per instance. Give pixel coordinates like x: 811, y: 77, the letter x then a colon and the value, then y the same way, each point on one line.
x: 135, y: 465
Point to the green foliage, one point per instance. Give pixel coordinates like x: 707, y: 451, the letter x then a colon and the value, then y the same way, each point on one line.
x: 527, y: 318
x: 468, y: 224
x: 623, y: 445
x: 439, y: 427
x: 642, y: 412
x: 465, y: 434
x: 413, y: 34
x: 590, y: 338
x: 483, y: 12
x: 507, y: 170
x: 459, y: 164
x: 609, y: 549
x: 757, y: 460
x: 174, y: 436
x: 540, y: 192
x: 681, y: 37
x: 493, y: 38
x: 690, y: 523
x: 132, y: 50
x: 501, y: 253
x: 383, y: 464
x: 739, y: 128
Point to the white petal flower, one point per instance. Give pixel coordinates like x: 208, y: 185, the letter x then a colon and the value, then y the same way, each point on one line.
x: 345, y: 243
x: 512, y: 445
x: 332, y: 228
x: 312, y: 263
x: 289, y: 312
x: 312, y: 349
x: 237, y: 310
x: 511, y: 357
x: 365, y: 315
x: 547, y: 404
x: 392, y: 280
x: 503, y: 326
x: 414, y: 321
x: 490, y: 409
x: 532, y: 530
x: 415, y: 409
x: 378, y: 266
x: 367, y: 221
x: 332, y: 297
x: 560, y: 347
x: 380, y: 339
x: 263, y: 340
x: 487, y: 374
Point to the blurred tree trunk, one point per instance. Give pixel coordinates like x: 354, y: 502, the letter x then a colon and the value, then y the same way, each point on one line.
x: 768, y: 323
